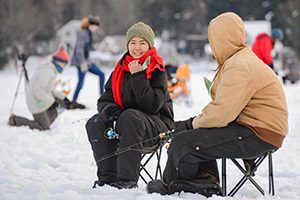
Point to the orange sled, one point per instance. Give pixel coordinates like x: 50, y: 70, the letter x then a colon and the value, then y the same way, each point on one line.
x: 179, y: 85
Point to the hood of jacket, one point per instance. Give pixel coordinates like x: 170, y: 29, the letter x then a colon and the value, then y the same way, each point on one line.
x: 226, y: 36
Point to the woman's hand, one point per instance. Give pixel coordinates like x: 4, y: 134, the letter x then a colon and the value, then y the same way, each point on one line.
x: 134, y: 67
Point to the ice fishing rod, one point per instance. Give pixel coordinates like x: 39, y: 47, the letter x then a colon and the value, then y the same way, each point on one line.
x: 79, y: 120
x: 24, y: 73
x: 164, y: 136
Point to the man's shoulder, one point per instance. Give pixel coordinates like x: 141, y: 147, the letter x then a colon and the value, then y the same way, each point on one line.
x: 240, y: 58
x: 244, y: 60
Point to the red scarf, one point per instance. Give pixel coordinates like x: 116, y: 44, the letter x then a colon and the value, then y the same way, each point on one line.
x: 156, y: 62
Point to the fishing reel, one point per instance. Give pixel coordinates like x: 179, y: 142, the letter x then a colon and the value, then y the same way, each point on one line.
x: 111, y: 134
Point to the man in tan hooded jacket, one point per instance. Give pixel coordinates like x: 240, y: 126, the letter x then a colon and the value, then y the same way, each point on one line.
x: 246, y: 117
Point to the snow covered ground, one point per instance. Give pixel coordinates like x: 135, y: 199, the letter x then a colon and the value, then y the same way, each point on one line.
x: 58, y: 164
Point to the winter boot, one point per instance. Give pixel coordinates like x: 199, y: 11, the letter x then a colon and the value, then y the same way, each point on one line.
x: 157, y: 186
x: 204, y: 188
x: 124, y: 184
x: 250, y: 166
x: 11, y: 120
x: 206, y: 183
x: 106, y: 181
x: 100, y: 183
x: 75, y: 105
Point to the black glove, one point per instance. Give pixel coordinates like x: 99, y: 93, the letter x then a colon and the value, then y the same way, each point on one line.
x: 67, y: 103
x: 184, y: 125
x: 115, y: 113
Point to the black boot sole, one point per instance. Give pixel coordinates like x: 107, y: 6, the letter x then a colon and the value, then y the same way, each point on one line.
x: 157, y: 186
x: 206, y: 189
x: 120, y: 185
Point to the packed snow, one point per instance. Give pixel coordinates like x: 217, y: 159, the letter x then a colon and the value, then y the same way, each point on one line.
x: 58, y: 163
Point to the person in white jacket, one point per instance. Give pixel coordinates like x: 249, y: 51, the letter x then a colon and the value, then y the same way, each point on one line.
x: 41, y: 94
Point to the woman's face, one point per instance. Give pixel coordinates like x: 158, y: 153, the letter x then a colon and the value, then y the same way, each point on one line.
x: 93, y: 28
x: 137, y: 47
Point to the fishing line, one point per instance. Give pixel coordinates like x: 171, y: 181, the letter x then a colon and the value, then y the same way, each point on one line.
x: 164, y: 137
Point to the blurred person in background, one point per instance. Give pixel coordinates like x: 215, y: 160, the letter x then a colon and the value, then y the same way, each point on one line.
x: 264, y: 45
x: 80, y: 58
x: 42, y: 98
x: 290, y: 66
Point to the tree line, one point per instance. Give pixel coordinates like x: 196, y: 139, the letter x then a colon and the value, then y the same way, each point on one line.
x: 31, y: 22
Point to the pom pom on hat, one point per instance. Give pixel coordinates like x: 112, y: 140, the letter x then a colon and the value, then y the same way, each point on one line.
x: 61, y: 55
x: 142, y: 30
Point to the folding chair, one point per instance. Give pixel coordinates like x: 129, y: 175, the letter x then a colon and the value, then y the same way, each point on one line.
x: 248, y: 175
x: 147, y: 154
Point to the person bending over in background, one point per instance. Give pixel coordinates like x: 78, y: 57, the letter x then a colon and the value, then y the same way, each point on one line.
x: 41, y: 96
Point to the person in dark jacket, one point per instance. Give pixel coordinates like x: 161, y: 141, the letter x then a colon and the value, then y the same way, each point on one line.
x: 264, y: 44
x: 81, y: 59
x: 136, y: 105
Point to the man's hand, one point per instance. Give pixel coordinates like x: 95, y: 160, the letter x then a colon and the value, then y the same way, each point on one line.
x: 184, y: 125
x: 84, y: 66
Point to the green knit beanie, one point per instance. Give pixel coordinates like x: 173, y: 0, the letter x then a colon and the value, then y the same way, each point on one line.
x: 142, y: 30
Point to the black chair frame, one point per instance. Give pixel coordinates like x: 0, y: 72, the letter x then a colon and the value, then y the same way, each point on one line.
x: 248, y: 175
x: 147, y: 154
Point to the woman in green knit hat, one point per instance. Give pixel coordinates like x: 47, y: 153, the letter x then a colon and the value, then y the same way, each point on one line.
x: 134, y: 107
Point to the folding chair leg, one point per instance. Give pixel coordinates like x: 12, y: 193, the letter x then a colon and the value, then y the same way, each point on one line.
x: 158, y: 172
x: 271, y: 175
x: 241, y: 183
x: 224, y: 176
x: 247, y: 176
x: 158, y: 167
x: 148, y: 174
x: 143, y: 179
x: 142, y: 168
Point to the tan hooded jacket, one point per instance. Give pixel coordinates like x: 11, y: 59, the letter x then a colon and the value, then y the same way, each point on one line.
x: 245, y: 90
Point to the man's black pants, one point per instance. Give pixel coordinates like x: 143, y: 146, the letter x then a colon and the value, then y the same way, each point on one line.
x: 192, y: 150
